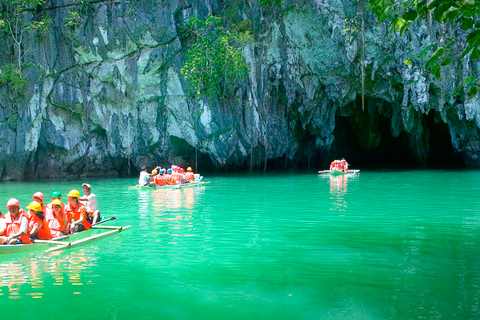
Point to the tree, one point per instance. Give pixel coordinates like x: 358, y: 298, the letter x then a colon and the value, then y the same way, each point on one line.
x: 17, y: 25
x: 215, y: 61
x: 401, y: 14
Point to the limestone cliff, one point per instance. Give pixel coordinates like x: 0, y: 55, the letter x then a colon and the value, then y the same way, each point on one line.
x: 109, y: 96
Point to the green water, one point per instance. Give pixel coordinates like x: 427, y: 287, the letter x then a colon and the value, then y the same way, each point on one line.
x: 382, y: 245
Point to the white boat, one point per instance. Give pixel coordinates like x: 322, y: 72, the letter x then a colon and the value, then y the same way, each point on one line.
x: 338, y: 172
x: 177, y: 186
x: 64, y: 242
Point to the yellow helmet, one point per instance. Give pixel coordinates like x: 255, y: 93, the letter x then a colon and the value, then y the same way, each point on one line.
x: 154, y: 172
x: 74, y: 194
x: 56, y: 202
x: 35, y: 206
x: 189, y: 169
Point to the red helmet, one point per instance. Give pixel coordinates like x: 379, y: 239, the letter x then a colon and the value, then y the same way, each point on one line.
x: 13, y: 203
x: 38, y: 195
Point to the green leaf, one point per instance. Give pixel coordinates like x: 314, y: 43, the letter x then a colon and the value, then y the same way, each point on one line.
x: 475, y: 54
x: 407, y: 62
x: 436, y: 71
x: 438, y: 52
x: 446, y: 61
x: 410, y: 15
x: 472, y: 92
x: 467, y: 24
x: 469, y: 80
x: 431, y: 63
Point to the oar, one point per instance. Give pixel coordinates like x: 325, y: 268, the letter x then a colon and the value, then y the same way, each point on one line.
x: 51, y: 242
x: 109, y: 219
x: 108, y: 227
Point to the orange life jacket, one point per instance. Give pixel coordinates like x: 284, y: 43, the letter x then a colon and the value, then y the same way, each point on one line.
x: 170, y: 179
x: 56, y: 225
x: 79, y: 212
x: 189, y: 176
x: 13, y: 227
x: 160, y: 180
x: 44, y: 232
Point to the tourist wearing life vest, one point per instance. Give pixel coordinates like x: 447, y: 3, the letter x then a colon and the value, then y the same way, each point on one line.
x: 2, y: 224
x: 160, y: 178
x: 93, y: 214
x: 177, y: 177
x: 169, y: 177
x: 189, y: 176
x: 38, y: 196
x: 38, y: 226
x: 57, y: 222
x: 344, y: 164
x: 78, y: 211
x: 16, y: 224
x: 56, y: 195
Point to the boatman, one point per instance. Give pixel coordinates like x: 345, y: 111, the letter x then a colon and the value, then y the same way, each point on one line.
x: 93, y: 214
x: 144, y: 179
x: 78, y: 211
x: 16, y: 224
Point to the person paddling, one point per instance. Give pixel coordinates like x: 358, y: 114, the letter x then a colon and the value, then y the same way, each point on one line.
x: 16, y: 224
x: 57, y: 222
x: 93, y: 214
x: 78, y: 211
x: 38, y: 226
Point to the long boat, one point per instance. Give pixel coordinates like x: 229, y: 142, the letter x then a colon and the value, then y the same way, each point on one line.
x: 66, y: 241
x: 338, y: 172
x: 177, y: 186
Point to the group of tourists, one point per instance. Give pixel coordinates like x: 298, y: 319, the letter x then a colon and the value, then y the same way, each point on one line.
x: 339, y: 165
x: 49, y: 221
x: 162, y: 176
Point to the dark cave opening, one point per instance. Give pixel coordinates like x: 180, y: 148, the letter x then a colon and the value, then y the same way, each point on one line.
x: 391, y: 152
x: 441, y: 153
x: 394, y: 152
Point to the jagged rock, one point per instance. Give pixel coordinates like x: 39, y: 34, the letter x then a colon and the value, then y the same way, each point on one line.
x: 111, y: 96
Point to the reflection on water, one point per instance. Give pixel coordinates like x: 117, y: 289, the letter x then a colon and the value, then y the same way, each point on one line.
x: 339, y: 189
x: 28, y: 274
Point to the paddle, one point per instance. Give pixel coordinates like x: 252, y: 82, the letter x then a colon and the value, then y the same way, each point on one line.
x: 109, y: 219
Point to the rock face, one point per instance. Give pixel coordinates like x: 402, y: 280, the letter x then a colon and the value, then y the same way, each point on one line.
x: 107, y: 96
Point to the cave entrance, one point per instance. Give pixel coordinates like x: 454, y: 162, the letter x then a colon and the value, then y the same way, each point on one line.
x: 391, y: 152
x: 441, y: 152
x: 394, y: 152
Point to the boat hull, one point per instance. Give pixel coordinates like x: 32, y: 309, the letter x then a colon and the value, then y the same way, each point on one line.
x: 179, y: 186
x: 337, y: 172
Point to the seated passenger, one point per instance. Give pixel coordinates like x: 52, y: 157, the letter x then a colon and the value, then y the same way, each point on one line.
x: 169, y: 177
x: 16, y: 224
x: 38, y: 226
x: 78, y: 212
x: 93, y: 214
x: 344, y: 164
x: 160, y: 178
x: 189, y: 176
x: 57, y: 222
x: 38, y: 196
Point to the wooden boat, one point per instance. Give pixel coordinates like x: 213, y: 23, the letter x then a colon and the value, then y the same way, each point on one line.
x: 338, y: 172
x: 65, y: 242
x: 178, y: 186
